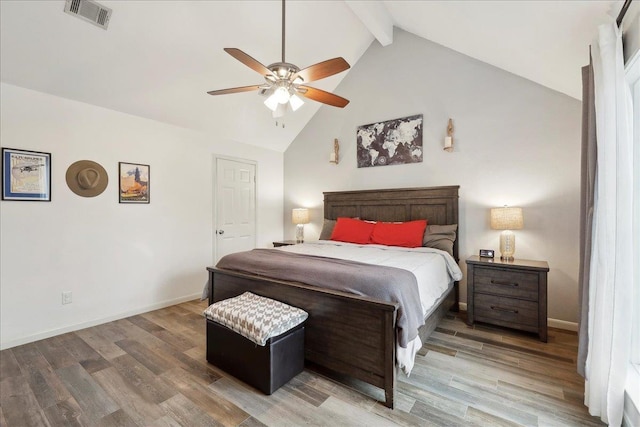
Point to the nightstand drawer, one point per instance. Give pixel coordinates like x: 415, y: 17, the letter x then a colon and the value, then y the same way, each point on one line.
x: 509, y: 283
x: 503, y: 311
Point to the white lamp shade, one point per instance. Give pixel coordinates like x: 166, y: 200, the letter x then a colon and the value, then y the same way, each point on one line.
x: 300, y: 216
x: 507, y: 218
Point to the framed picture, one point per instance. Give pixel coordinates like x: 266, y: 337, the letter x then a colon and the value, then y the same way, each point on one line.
x: 394, y: 142
x: 134, y: 182
x: 26, y: 175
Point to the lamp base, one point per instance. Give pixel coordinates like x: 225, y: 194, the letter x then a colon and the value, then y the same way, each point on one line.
x: 300, y: 233
x: 507, y: 245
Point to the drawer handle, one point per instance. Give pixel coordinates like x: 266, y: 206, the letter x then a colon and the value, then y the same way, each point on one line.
x: 498, y: 282
x: 507, y: 310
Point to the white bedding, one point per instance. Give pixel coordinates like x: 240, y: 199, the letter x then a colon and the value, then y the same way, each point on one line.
x: 434, y: 270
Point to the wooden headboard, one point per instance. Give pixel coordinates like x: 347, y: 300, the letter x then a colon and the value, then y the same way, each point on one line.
x: 439, y: 205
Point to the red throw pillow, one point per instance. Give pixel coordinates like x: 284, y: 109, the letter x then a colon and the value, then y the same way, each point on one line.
x: 406, y: 234
x: 352, y: 231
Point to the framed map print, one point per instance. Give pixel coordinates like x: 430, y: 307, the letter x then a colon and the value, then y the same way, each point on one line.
x: 393, y: 142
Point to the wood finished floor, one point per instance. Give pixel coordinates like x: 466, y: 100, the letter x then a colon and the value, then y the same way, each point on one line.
x: 150, y: 370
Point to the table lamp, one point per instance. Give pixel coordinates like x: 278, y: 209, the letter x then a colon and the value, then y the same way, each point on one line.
x: 507, y: 219
x: 300, y: 217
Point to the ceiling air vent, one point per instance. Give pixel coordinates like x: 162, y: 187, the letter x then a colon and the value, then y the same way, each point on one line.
x: 90, y: 11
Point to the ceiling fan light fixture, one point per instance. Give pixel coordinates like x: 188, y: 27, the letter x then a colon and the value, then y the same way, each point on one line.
x: 296, y: 102
x: 280, y: 110
x: 282, y: 95
x: 271, y: 102
x: 283, y: 85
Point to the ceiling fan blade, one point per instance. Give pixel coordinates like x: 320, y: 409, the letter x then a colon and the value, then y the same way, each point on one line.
x: 322, y: 96
x: 323, y: 69
x: 248, y: 61
x: 234, y: 90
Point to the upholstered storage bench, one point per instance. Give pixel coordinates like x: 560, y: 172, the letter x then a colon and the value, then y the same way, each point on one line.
x: 256, y: 339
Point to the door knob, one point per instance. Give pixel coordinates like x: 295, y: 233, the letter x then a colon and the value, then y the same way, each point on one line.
x: 220, y: 231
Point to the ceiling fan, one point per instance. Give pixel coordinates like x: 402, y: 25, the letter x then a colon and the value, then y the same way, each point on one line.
x: 285, y: 81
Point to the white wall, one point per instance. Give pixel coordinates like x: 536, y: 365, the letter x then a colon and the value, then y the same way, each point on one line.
x: 117, y: 259
x: 516, y: 143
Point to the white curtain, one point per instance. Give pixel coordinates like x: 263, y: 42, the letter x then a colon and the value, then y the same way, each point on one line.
x: 611, y: 276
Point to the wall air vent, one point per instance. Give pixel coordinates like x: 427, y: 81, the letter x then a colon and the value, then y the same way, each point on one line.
x: 90, y: 11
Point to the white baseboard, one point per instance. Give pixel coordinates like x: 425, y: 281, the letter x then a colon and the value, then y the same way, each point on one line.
x: 76, y: 327
x: 553, y: 323
x: 562, y: 324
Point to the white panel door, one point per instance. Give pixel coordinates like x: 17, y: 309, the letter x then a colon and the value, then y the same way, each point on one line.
x: 235, y: 222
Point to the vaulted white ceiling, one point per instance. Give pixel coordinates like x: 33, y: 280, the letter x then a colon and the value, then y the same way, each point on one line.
x: 158, y: 59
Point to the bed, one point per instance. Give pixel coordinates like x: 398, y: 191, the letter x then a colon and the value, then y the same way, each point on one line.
x: 348, y: 334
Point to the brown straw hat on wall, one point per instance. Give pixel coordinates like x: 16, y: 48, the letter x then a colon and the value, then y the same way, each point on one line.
x: 87, y: 178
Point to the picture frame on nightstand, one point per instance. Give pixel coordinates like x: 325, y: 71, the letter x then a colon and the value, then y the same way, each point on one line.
x: 487, y: 253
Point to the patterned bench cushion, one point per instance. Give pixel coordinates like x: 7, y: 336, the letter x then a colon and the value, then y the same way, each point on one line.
x: 254, y: 317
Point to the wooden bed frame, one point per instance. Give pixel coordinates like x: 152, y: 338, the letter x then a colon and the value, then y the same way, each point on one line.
x: 346, y: 333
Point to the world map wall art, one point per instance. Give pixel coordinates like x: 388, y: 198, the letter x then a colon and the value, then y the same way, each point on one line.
x: 393, y: 142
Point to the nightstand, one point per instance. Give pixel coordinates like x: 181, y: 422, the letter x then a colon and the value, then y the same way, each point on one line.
x: 284, y: 243
x: 508, y: 293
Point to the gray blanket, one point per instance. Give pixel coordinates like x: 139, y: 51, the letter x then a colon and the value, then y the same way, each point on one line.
x: 376, y: 281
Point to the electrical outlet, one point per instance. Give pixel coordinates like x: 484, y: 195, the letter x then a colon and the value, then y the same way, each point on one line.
x: 67, y: 297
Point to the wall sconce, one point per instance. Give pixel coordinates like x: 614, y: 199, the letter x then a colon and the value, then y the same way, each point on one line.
x: 300, y: 217
x: 448, y: 140
x: 334, y: 157
x: 507, y: 219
